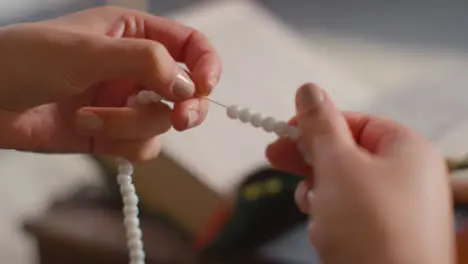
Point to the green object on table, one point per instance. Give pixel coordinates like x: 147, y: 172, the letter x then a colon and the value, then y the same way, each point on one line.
x: 457, y: 164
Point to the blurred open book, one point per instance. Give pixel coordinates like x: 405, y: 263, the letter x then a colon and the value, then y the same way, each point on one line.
x: 264, y: 63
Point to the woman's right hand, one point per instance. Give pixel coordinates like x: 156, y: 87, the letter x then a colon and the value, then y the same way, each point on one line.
x: 376, y: 191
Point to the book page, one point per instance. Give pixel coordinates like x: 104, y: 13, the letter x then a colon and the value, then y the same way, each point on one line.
x: 263, y: 64
x: 435, y: 109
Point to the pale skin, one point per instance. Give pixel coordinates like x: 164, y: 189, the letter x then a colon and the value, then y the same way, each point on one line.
x: 380, y: 192
x: 65, y: 81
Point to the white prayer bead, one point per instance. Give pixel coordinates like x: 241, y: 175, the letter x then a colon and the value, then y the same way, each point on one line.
x: 244, y: 115
x: 143, y: 97
x: 131, y: 226
x: 256, y: 120
x: 233, y: 112
x: 137, y: 255
x: 293, y: 133
x: 134, y: 234
x: 123, y: 179
x: 127, y: 190
x: 268, y: 124
x: 129, y: 210
x: 135, y: 244
x: 281, y: 128
x: 130, y: 200
x: 131, y: 222
x: 126, y: 168
x: 154, y: 97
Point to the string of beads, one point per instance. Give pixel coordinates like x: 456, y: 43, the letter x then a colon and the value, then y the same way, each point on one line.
x: 125, y: 168
x: 269, y: 124
x: 130, y: 212
x: 128, y: 192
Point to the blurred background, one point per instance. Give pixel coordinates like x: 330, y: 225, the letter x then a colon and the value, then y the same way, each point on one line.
x: 403, y: 59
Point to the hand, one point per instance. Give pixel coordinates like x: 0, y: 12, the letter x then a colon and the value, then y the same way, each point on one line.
x: 379, y: 192
x: 64, y: 82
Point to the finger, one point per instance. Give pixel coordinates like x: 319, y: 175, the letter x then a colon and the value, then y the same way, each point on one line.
x: 124, y: 123
x: 323, y: 128
x: 371, y: 133
x: 284, y: 155
x: 380, y: 136
x: 144, y: 61
x: 326, y: 129
x: 185, y: 44
x: 189, y: 114
x: 300, y: 197
x: 133, y: 150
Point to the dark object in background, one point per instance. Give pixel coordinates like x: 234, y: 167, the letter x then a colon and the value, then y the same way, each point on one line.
x: 76, y: 232
x: 264, y: 210
x: 87, y: 228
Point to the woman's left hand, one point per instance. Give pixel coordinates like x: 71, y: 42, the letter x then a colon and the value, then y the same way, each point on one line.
x: 64, y: 82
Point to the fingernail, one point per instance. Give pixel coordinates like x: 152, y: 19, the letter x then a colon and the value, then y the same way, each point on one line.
x: 310, y: 97
x: 300, y: 197
x: 213, y: 80
x: 301, y: 190
x: 192, y: 118
x: 183, y: 87
x: 310, y: 196
x: 88, y: 123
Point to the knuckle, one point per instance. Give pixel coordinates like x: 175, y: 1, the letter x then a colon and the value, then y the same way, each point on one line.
x: 318, y: 122
x: 157, y: 60
x: 150, y: 150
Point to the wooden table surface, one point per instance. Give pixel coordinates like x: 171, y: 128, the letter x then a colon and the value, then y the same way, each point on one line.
x: 96, y: 234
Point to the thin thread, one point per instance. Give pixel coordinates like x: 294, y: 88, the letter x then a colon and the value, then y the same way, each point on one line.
x: 215, y: 102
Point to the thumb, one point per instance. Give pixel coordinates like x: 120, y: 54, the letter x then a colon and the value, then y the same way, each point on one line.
x: 144, y: 61
x: 323, y: 127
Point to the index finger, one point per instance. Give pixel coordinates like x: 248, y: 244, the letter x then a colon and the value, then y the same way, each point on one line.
x: 186, y: 45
